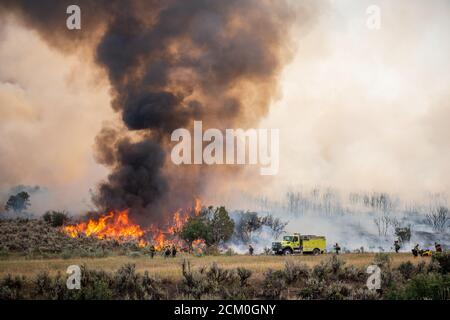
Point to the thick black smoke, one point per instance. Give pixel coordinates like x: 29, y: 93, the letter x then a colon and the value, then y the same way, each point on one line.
x: 169, y: 63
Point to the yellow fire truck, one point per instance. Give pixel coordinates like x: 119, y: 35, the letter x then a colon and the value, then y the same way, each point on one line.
x: 297, y: 243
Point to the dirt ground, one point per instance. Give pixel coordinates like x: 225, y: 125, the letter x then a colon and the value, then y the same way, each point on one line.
x: 170, y: 268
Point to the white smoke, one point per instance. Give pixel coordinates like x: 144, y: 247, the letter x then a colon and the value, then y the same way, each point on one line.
x: 347, y: 219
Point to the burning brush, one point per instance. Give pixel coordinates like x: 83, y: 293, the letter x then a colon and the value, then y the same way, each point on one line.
x: 116, y: 225
x: 112, y: 226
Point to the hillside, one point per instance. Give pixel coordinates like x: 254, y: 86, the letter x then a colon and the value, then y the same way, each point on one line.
x: 36, y: 238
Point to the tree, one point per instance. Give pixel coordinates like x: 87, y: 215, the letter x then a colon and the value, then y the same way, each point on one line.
x: 214, y: 226
x: 195, y: 228
x: 276, y: 224
x: 438, y: 218
x: 249, y: 222
x: 221, y: 226
x: 55, y: 218
x: 384, y: 223
x: 19, y: 202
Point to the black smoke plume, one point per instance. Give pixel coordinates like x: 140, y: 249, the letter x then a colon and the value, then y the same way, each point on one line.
x: 169, y: 63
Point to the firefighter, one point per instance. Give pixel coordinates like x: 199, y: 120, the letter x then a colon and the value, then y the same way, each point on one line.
x: 152, y: 251
x: 250, y: 249
x: 174, y: 251
x: 396, y: 246
x: 337, y: 248
x: 167, y: 252
x: 438, y: 247
x: 415, y: 250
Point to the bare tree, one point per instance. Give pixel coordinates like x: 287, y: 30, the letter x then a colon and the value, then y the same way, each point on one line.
x: 437, y: 218
x: 383, y: 224
x: 276, y: 224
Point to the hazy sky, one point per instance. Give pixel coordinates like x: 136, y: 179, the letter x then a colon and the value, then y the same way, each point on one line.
x: 358, y: 108
x: 51, y: 108
x: 364, y: 109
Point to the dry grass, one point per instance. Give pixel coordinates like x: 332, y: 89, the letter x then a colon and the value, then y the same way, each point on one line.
x: 171, y: 268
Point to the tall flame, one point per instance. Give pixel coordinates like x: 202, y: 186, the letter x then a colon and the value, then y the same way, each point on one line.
x: 198, y: 206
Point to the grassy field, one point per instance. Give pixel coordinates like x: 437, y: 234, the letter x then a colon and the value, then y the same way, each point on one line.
x: 171, y: 268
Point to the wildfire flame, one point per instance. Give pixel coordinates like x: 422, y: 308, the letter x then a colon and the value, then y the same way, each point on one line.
x: 199, y: 246
x: 198, y: 206
x: 114, y: 225
x: 168, y: 237
x: 117, y: 225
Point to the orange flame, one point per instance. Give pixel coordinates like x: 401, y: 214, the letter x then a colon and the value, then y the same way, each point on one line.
x: 169, y: 237
x: 198, y: 206
x: 199, y: 246
x: 178, y: 221
x: 114, y: 225
x: 117, y: 226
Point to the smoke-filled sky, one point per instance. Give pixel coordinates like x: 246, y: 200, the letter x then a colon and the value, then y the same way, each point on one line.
x: 365, y: 109
x: 356, y: 108
x: 51, y: 108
